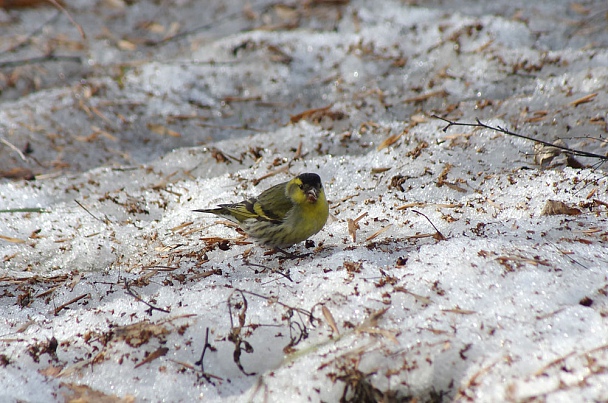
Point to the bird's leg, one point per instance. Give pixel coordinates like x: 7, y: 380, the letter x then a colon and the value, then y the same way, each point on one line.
x: 289, y: 255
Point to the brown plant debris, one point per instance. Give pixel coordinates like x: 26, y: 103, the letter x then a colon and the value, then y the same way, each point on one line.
x: 315, y: 115
x: 554, y: 207
x: 353, y: 226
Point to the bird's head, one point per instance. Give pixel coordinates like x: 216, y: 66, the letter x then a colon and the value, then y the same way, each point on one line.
x: 305, y: 188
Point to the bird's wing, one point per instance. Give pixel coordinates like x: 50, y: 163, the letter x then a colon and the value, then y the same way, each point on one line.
x: 270, y: 205
x: 273, y: 204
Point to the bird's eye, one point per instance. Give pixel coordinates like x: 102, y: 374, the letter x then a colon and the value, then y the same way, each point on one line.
x: 301, y: 186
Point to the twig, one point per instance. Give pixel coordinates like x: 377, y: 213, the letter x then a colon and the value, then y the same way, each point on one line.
x: 160, y: 268
x: 91, y: 214
x: 235, y: 336
x: 41, y: 59
x: 67, y: 13
x: 572, y: 151
x: 204, y: 374
x: 194, y: 30
x: 224, y: 127
x: 63, y: 306
x: 138, y: 298
x: 256, y: 181
x: 35, y: 32
x: 191, y: 367
x: 299, y: 310
x: 25, y: 210
x: 10, y: 145
x: 205, y: 347
x: 438, y: 235
x: 269, y: 268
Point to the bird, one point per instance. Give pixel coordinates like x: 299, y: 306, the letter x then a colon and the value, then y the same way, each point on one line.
x: 281, y: 216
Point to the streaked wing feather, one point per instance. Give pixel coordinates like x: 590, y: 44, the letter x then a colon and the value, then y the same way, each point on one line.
x: 275, y: 203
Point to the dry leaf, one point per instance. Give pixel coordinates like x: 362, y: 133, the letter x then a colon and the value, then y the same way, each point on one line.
x: 537, y: 116
x: 123, y: 44
x: 424, y: 97
x: 315, y: 115
x: 579, y: 8
x: 444, y: 175
x: 591, y: 193
x: 389, y: 141
x: 554, y: 207
x: 85, y: 394
x: 154, y: 27
x: 9, y: 4
x: 17, y: 173
x: 380, y: 170
x: 50, y: 371
x: 162, y: 130
x: 140, y: 333
x: 153, y: 356
x: 418, y: 118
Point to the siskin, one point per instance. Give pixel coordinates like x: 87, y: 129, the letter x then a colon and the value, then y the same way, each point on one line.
x: 282, y: 215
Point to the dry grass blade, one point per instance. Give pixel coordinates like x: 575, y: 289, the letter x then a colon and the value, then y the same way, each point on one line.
x: 330, y: 319
x: 377, y: 233
x: 353, y: 226
x: 459, y: 311
x: 11, y: 239
x: 583, y: 100
x: 424, y: 97
x: 389, y: 141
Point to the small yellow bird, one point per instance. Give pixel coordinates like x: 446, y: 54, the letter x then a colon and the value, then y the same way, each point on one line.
x: 282, y: 215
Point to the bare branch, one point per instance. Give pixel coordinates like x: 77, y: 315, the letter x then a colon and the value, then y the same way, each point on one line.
x: 499, y: 129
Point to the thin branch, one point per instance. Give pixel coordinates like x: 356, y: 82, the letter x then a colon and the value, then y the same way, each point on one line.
x: 41, y: 59
x: 35, y: 32
x: 138, y: 298
x: 299, y: 310
x: 26, y: 210
x: 91, y: 214
x: 572, y: 151
x: 207, y: 345
x: 67, y: 13
x: 270, y: 269
x: 204, y: 374
x: 194, y: 30
x: 63, y: 306
x: 438, y: 235
x: 10, y: 145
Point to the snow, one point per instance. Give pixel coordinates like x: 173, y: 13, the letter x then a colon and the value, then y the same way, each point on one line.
x: 456, y: 287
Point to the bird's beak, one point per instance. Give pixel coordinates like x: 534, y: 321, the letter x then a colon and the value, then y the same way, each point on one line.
x: 312, y: 195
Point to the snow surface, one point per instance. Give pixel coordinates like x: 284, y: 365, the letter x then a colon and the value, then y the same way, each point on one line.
x: 507, y: 304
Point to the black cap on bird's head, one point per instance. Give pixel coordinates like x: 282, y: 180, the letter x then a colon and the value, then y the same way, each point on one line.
x: 311, y: 185
x: 310, y: 179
